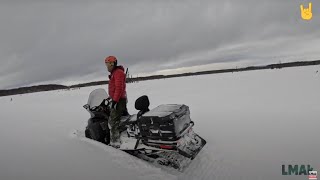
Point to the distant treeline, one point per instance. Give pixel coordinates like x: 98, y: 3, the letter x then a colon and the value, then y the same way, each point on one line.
x: 50, y: 87
x: 32, y: 89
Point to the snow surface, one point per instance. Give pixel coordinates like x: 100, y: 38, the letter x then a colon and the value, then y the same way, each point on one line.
x: 253, y: 122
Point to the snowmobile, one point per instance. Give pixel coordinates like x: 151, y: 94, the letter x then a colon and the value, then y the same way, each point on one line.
x: 163, y: 135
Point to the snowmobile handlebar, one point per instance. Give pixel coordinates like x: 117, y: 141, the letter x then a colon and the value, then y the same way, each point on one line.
x: 94, y: 108
x: 105, y: 102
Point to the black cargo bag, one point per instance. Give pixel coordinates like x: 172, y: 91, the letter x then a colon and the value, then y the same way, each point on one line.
x: 165, y: 122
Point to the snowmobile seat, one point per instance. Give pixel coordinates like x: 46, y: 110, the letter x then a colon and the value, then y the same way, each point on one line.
x: 142, y: 105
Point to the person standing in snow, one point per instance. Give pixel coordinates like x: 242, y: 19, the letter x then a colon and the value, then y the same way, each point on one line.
x: 118, y: 97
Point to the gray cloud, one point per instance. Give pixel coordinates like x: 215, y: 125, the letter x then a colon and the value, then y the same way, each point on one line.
x: 43, y: 41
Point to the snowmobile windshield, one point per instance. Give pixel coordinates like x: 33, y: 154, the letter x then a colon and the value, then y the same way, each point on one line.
x: 96, y: 97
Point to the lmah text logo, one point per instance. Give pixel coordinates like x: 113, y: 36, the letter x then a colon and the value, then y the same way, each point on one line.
x: 299, y: 170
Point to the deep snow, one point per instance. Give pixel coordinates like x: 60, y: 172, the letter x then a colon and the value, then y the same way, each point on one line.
x: 253, y: 122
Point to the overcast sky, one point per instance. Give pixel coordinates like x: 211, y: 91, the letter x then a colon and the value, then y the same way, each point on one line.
x: 66, y: 41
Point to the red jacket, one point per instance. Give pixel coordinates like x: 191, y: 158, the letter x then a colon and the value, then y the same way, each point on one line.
x: 117, y: 84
